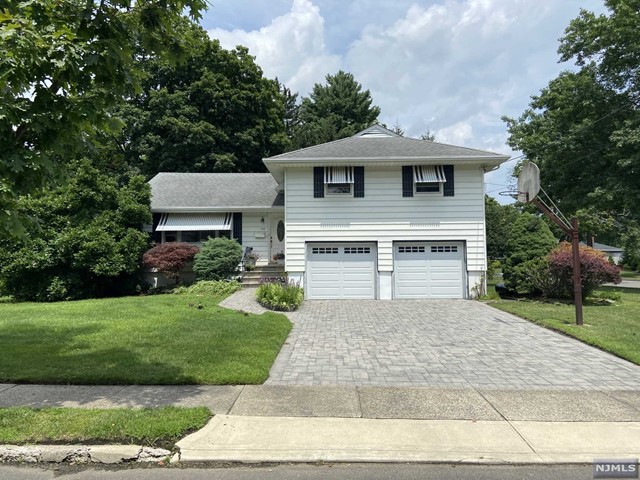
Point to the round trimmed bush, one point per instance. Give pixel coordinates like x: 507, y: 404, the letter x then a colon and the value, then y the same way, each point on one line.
x: 218, y: 259
x: 557, y: 275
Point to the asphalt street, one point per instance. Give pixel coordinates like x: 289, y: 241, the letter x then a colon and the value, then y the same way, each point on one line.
x: 361, y: 471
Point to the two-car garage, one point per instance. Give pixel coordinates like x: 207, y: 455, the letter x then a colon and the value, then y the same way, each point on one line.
x: 420, y: 270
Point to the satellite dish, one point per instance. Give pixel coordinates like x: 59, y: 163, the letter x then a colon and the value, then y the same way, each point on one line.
x: 528, y: 182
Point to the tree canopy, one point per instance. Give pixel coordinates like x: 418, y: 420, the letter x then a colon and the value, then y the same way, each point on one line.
x: 215, y: 112
x: 339, y: 109
x: 499, y: 221
x: 65, y: 64
x: 583, y: 129
x: 87, y: 240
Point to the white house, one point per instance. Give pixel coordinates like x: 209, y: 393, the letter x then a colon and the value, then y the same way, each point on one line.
x: 375, y: 215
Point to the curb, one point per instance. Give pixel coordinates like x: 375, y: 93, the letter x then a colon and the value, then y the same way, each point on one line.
x: 101, y: 454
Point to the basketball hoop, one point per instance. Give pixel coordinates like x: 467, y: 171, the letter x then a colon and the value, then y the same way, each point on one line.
x: 528, y: 189
x: 528, y: 182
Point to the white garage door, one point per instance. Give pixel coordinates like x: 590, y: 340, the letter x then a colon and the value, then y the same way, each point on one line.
x: 429, y: 270
x: 341, y: 270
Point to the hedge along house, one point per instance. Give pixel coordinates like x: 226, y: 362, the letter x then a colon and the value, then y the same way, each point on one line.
x: 372, y: 216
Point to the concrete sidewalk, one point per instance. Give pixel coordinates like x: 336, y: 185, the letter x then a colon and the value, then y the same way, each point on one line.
x: 289, y: 439
x: 262, y: 423
x: 432, y: 403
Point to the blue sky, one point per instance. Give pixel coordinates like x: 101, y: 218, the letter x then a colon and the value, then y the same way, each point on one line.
x: 454, y: 67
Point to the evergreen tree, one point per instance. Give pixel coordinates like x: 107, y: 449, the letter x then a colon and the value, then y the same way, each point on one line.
x: 529, y: 241
x: 339, y: 109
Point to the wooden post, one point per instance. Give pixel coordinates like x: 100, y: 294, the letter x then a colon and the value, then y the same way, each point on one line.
x: 577, y: 282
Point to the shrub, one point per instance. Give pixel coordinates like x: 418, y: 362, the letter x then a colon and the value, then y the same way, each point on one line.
x: 85, y: 241
x: 214, y: 288
x: 170, y: 258
x: 494, y: 265
x: 529, y: 241
x: 595, y: 270
x: 218, y: 259
x: 277, y: 296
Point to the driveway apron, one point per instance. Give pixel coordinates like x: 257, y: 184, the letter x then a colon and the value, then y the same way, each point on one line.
x: 447, y: 343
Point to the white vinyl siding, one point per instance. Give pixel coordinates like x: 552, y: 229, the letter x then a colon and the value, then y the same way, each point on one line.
x: 384, y: 215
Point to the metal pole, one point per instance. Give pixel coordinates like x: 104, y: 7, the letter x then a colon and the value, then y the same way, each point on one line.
x: 577, y: 283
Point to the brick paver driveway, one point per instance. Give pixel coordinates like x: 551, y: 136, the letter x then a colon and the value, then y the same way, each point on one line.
x: 455, y: 343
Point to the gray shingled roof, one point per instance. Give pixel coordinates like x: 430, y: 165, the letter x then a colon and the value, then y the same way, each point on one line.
x: 379, y: 143
x: 201, y: 191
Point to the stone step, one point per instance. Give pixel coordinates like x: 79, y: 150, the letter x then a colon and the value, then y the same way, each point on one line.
x: 269, y: 268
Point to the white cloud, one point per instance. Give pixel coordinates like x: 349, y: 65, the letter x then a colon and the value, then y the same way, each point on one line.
x: 451, y: 66
x: 291, y: 47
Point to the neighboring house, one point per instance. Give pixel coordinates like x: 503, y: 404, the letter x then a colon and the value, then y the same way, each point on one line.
x: 375, y: 215
x: 614, y: 252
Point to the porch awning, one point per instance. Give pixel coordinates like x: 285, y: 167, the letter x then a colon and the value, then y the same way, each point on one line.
x: 338, y: 174
x: 428, y: 174
x: 194, y: 222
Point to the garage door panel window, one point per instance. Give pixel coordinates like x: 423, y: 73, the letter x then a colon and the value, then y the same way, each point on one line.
x: 444, y: 249
x: 356, y: 250
x: 411, y: 249
x: 324, y: 250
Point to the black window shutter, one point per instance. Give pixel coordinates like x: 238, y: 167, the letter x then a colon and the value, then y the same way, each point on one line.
x: 156, y: 236
x: 318, y: 182
x: 237, y: 227
x: 407, y: 181
x: 358, y: 182
x: 448, y: 188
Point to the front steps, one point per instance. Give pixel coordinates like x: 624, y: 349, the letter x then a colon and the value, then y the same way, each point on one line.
x: 252, y: 279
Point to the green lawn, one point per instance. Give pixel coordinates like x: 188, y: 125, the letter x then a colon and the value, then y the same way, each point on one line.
x: 630, y: 275
x: 157, y: 339
x: 148, y: 426
x: 615, y: 328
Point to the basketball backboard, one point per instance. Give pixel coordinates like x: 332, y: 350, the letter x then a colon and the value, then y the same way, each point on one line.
x: 528, y: 182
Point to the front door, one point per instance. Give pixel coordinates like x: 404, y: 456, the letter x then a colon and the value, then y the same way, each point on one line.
x: 277, y: 238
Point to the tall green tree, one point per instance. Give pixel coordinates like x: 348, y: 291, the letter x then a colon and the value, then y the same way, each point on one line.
x: 87, y: 241
x: 336, y: 110
x: 214, y: 112
x: 65, y: 64
x: 499, y: 221
x: 583, y: 129
x: 528, y: 242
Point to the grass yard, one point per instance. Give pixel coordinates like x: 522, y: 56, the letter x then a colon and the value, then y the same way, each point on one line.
x: 614, y: 328
x: 630, y: 275
x: 149, y: 426
x: 157, y: 339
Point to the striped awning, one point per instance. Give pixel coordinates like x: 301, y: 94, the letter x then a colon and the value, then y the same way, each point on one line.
x: 186, y: 222
x: 428, y: 174
x: 338, y: 174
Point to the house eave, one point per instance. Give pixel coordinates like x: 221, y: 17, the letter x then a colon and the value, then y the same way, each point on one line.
x: 385, y: 161
x: 214, y: 209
